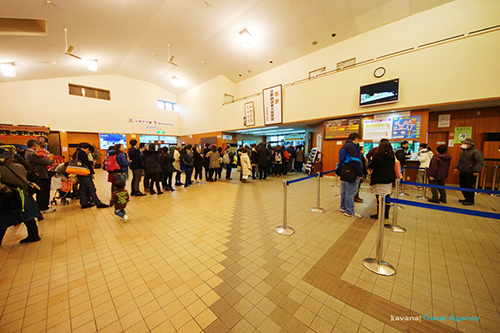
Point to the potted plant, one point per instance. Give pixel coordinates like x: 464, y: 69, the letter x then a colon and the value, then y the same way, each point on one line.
x: 96, y: 156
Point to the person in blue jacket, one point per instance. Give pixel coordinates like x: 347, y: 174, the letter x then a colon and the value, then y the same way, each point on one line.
x: 121, y: 158
x: 349, y: 159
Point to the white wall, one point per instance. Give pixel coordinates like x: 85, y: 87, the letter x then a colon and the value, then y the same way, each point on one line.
x: 458, y: 71
x: 47, y: 102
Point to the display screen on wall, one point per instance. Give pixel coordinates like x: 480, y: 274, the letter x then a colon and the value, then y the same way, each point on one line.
x: 341, y: 128
x: 107, y: 140
x: 406, y: 127
x: 379, y: 93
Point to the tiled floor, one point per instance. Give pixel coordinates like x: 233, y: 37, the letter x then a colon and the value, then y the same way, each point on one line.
x: 208, y: 259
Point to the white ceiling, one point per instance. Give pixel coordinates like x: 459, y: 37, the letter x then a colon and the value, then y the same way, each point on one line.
x: 128, y: 36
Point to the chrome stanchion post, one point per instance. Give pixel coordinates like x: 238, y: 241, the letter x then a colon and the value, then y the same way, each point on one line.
x: 495, y: 168
x: 394, y: 227
x: 425, y: 188
x: 403, y: 193
x: 340, y: 191
x: 285, y: 230
x: 377, y: 265
x: 317, y: 209
x: 336, y: 177
x: 485, y: 172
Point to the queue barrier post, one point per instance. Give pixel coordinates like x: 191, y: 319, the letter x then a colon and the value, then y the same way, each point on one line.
x: 377, y: 265
x: 340, y: 191
x: 394, y: 227
x: 485, y: 172
x: 336, y: 177
x: 494, y: 180
x: 403, y: 193
x: 285, y: 229
x: 317, y: 209
x: 425, y: 188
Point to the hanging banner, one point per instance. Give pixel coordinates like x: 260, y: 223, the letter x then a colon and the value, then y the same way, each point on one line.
x: 249, y: 114
x: 148, y: 122
x: 273, y: 111
x: 462, y: 133
x: 341, y: 128
x: 377, y: 129
x: 406, y: 127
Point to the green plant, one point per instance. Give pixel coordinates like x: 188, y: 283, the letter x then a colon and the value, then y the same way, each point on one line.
x: 96, y: 155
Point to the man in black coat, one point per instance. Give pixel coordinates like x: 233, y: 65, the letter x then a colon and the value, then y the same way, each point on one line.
x: 37, y: 166
x: 263, y: 157
x: 469, y: 166
x: 137, y: 168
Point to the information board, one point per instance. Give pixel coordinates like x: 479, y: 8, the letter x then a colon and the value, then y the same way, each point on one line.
x: 406, y: 127
x: 341, y: 128
x: 377, y: 129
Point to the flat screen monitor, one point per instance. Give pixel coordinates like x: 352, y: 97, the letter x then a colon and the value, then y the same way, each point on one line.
x: 379, y: 93
x: 107, y: 140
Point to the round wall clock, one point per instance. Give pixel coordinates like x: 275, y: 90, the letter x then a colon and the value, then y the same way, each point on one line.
x: 379, y: 72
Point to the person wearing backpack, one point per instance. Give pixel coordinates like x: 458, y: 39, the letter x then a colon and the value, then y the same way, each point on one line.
x: 111, y: 166
x: 351, y: 172
x: 228, y: 161
x: 187, y: 163
x: 277, y: 159
x: 121, y: 159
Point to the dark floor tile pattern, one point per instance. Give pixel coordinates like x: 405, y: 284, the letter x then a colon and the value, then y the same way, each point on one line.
x: 326, y: 276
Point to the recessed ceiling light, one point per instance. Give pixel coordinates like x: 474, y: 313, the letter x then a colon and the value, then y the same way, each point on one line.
x: 334, y: 34
x: 53, y: 63
x: 315, y: 42
x: 92, y: 65
x: 245, y: 38
x: 270, y: 61
x: 176, y: 81
x: 8, y: 70
x: 249, y: 71
x: 202, y: 62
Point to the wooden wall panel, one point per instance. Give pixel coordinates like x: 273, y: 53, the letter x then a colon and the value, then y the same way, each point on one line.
x: 482, y: 120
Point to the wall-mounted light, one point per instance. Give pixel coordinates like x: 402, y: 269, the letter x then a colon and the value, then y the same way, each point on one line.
x: 245, y: 38
x: 92, y: 65
x: 176, y: 81
x: 8, y: 70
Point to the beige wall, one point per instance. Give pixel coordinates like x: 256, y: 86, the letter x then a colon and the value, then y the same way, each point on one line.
x: 453, y: 72
x: 458, y: 71
x: 47, y: 102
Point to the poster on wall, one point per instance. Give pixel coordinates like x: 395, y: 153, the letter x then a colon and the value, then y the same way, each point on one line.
x: 341, y: 128
x: 377, y: 129
x: 462, y: 133
x: 319, y: 142
x: 406, y: 127
x: 273, y: 111
x: 249, y: 114
x: 444, y: 120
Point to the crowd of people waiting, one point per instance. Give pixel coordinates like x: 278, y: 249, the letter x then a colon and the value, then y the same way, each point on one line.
x: 384, y: 165
x: 23, y: 177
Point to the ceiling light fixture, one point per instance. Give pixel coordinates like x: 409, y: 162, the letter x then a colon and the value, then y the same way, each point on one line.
x: 245, y: 38
x: 8, y: 70
x: 92, y: 65
x: 176, y: 81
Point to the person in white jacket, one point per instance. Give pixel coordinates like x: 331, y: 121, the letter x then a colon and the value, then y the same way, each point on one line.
x: 246, y: 165
x: 424, y: 156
